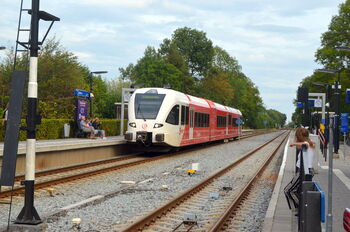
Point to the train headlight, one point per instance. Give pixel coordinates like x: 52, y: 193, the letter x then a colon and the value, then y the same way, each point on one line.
x: 132, y: 124
x: 158, y: 125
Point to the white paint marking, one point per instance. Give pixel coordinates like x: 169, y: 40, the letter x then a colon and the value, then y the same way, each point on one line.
x: 91, y: 199
x: 33, y: 77
x: 30, y: 160
x: 145, y: 181
x: 273, y: 202
x: 340, y: 175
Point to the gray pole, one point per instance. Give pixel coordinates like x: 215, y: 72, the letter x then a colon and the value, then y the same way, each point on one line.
x: 344, y: 145
x: 337, y: 115
x: 122, y: 114
x: 90, y: 98
x: 329, y: 222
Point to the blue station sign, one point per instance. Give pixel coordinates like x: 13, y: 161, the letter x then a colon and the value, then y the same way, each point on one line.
x: 344, y: 123
x: 300, y: 104
x: 239, y: 122
x: 81, y: 93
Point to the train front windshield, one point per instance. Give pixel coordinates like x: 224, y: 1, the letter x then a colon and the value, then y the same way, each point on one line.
x: 147, y: 105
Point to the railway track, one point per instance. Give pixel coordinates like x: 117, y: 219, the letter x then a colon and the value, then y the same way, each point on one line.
x: 201, y: 207
x: 66, y: 174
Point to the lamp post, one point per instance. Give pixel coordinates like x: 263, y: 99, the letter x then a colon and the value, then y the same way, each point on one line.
x: 28, y: 214
x: 337, y: 105
x: 91, y: 95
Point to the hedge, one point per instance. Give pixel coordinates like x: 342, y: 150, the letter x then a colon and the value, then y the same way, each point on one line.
x: 53, y: 128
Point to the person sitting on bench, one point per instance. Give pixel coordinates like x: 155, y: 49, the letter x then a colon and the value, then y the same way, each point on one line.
x: 85, y: 127
x: 96, y: 124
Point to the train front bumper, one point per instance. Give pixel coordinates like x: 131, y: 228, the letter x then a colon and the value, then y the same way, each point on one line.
x: 144, y: 137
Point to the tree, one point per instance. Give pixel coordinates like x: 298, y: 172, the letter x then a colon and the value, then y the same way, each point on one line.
x: 225, y: 62
x: 195, y: 48
x: 152, y: 71
x: 59, y: 73
x: 338, y: 34
x: 277, y: 118
x: 216, y: 88
x: 190, y: 64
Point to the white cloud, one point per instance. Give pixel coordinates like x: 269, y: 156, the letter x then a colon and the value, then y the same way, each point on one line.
x: 118, y: 3
x: 274, y: 41
x: 82, y: 55
x: 256, y: 57
x: 158, y: 19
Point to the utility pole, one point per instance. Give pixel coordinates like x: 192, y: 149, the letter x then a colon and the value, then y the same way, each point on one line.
x: 28, y: 214
x: 329, y: 222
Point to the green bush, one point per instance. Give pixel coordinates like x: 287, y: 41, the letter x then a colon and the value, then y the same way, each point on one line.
x: 112, y: 126
x: 53, y: 128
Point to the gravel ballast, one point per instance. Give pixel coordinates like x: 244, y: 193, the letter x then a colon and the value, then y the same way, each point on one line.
x: 139, y: 199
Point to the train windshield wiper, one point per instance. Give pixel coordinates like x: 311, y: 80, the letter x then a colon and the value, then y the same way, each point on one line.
x: 139, y: 111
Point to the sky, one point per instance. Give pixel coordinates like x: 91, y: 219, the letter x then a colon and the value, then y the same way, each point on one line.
x: 273, y: 40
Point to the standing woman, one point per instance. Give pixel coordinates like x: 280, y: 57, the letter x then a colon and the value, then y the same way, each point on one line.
x: 6, y: 112
x: 302, y: 137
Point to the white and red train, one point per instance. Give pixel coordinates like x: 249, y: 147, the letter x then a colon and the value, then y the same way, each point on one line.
x: 165, y: 117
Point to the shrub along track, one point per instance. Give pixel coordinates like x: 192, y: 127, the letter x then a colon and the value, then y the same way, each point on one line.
x: 205, y: 214
x: 66, y: 174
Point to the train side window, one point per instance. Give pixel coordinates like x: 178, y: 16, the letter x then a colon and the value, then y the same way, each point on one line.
x: 201, y: 120
x: 206, y: 120
x: 183, y: 115
x: 229, y: 119
x: 221, y: 121
x: 234, y: 122
x: 186, y: 115
x: 173, y: 117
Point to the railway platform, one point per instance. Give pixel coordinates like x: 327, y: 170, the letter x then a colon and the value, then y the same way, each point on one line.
x: 67, y: 144
x: 62, y: 152
x: 279, y: 218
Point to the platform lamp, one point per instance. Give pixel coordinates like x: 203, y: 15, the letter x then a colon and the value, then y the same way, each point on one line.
x: 343, y: 48
x: 337, y: 106
x: 91, y: 95
x: 2, y: 48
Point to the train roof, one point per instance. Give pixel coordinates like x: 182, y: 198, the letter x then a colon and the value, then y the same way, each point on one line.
x: 193, y: 99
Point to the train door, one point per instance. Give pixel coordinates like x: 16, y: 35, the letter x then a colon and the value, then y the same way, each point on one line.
x: 191, y: 122
x: 184, y: 122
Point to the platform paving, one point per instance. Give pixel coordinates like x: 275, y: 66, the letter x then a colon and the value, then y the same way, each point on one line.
x: 68, y: 144
x: 280, y: 218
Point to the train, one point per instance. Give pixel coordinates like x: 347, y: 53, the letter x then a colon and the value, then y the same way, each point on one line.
x: 159, y: 117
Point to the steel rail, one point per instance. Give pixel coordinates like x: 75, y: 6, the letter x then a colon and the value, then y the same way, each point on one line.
x: 227, y: 215
x: 77, y: 166
x: 150, y: 218
x: 96, y: 163
x: 40, y: 185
